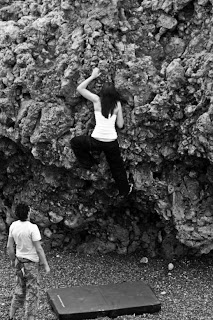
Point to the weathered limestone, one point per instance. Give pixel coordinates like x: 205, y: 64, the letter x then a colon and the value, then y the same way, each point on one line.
x: 159, y: 54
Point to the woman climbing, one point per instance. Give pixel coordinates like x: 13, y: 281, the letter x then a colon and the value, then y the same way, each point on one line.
x: 108, y: 113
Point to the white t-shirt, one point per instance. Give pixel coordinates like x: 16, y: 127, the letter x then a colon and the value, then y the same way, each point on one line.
x: 24, y: 233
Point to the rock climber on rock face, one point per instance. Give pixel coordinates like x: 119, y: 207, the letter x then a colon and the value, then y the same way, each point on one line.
x: 108, y: 113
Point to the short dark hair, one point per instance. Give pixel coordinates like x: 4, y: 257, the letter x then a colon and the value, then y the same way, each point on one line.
x: 22, y: 211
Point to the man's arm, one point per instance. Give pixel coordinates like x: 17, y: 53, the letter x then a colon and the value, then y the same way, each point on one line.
x: 11, y: 250
x: 42, y: 256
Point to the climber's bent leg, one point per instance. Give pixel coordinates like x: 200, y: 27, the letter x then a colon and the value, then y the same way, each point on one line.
x: 81, y: 147
x: 113, y: 156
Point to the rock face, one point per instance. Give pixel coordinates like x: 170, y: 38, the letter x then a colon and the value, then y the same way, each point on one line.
x: 160, y: 55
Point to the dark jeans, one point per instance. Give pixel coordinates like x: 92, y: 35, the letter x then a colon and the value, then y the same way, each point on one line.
x: 82, y: 147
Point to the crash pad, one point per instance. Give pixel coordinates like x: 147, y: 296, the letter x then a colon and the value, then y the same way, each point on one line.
x: 112, y: 300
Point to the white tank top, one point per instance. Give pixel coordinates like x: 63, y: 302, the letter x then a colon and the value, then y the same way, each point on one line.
x: 104, y: 128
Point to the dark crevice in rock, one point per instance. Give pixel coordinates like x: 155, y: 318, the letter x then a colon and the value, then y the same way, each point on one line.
x: 187, y: 13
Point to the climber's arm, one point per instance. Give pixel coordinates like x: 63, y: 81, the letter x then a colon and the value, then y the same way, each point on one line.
x: 85, y: 92
x: 120, y: 119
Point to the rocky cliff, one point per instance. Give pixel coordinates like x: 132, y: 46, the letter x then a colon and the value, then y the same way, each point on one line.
x: 159, y: 54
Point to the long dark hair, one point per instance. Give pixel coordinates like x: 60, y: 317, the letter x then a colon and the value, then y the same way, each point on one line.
x: 109, y: 97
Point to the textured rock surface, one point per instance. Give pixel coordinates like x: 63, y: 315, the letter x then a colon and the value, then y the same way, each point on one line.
x: 159, y: 53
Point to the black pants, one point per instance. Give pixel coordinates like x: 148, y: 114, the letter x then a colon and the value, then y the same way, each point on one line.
x: 83, y: 146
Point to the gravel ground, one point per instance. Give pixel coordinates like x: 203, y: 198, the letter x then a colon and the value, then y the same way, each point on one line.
x: 186, y: 292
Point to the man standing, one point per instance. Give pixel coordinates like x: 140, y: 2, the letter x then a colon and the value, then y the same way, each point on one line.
x: 25, y: 257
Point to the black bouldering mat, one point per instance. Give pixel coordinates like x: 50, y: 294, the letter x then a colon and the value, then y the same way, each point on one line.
x: 109, y: 300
